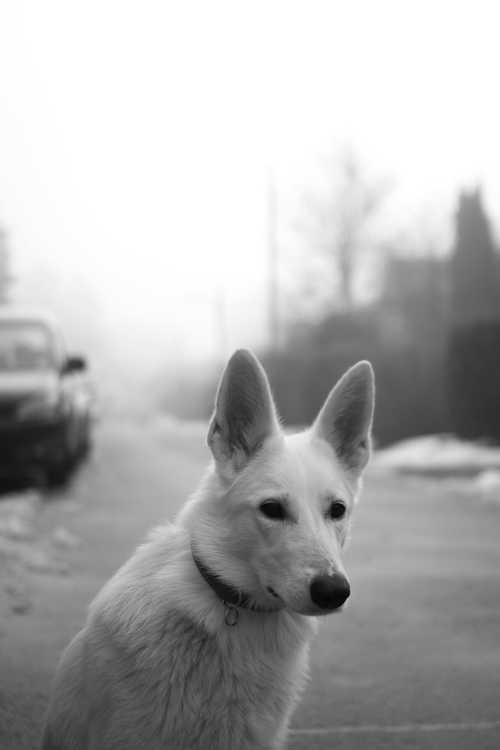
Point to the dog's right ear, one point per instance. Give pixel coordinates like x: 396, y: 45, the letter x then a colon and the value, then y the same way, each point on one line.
x: 244, y: 416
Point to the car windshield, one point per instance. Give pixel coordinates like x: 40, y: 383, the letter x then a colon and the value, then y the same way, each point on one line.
x: 25, y: 346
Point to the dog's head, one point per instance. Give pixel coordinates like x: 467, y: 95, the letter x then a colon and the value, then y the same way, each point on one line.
x: 275, y: 512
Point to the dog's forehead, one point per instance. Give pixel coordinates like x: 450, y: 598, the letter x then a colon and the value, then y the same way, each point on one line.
x: 304, y: 466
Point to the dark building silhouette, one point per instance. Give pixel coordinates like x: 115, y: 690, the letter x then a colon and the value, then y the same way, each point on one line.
x: 475, y: 288
x: 474, y: 345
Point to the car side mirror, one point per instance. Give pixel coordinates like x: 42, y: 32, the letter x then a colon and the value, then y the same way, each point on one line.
x: 74, y: 364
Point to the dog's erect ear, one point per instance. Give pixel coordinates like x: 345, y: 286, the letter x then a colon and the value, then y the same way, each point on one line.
x: 244, y: 414
x: 345, y: 421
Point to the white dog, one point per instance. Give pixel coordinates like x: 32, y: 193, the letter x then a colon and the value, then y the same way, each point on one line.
x: 200, y: 641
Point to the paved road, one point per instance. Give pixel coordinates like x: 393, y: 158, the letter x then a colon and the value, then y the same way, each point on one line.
x: 414, y: 662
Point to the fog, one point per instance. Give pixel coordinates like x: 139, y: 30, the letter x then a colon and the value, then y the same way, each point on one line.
x: 138, y: 142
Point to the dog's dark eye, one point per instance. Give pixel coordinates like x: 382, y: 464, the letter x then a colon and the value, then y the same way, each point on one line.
x: 273, y: 509
x: 336, y: 510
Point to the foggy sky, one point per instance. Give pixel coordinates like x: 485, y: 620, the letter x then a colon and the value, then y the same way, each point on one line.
x: 136, y: 141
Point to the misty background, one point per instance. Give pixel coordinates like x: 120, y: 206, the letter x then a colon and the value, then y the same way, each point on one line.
x: 318, y: 181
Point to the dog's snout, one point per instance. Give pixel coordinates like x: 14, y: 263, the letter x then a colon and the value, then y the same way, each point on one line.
x: 330, y: 591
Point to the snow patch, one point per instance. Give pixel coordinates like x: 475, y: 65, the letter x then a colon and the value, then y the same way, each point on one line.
x: 18, y: 514
x: 14, y: 527
x: 488, y: 484
x: 61, y: 537
x: 439, y: 455
x: 42, y: 561
x: 26, y: 548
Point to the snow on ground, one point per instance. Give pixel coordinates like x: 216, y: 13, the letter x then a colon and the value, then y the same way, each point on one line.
x: 487, y: 483
x: 440, y: 454
x: 471, y: 467
x: 27, y: 548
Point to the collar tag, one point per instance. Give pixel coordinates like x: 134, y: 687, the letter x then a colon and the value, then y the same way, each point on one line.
x: 231, y: 615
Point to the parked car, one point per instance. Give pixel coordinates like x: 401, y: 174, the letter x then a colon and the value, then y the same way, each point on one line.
x: 45, y: 399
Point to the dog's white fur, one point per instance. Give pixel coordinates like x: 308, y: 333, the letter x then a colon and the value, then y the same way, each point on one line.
x: 156, y: 666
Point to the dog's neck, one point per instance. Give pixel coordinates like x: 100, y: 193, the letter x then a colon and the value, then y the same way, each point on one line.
x: 232, y: 598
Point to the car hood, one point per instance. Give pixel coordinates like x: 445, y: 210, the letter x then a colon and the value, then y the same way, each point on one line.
x: 19, y: 384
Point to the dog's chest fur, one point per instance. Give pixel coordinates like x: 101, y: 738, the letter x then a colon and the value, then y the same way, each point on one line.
x: 182, y: 677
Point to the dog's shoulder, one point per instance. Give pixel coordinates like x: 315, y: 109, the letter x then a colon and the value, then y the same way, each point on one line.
x: 157, y: 587
x: 145, y: 579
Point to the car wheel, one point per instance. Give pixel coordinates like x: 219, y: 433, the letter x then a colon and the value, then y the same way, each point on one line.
x: 58, y: 474
x: 85, y: 446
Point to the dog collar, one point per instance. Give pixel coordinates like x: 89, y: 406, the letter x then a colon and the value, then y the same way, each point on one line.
x: 232, y: 598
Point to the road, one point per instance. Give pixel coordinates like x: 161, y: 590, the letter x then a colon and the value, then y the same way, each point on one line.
x: 413, y: 662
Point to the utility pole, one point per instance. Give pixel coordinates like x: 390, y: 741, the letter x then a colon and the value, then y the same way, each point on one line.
x: 220, y: 323
x: 5, y: 276
x: 273, y: 265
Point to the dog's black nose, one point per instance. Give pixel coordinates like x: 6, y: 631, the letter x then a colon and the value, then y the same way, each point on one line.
x: 330, y: 592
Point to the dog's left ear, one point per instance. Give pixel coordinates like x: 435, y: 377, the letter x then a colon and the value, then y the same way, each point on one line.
x: 345, y: 421
x: 244, y: 416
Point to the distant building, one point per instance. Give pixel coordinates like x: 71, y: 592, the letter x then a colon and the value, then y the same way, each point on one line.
x: 475, y: 264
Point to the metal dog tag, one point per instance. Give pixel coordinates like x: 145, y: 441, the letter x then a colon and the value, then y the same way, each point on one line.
x: 231, y: 615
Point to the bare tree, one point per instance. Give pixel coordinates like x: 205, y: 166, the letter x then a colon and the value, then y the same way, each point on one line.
x: 338, y: 219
